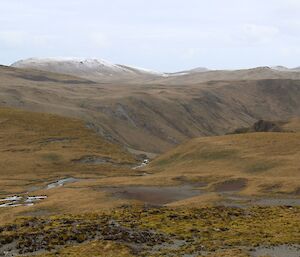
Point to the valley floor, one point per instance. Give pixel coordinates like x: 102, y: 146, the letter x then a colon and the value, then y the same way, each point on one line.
x: 67, y: 192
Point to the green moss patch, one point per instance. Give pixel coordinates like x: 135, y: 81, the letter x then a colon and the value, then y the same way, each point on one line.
x: 260, y: 166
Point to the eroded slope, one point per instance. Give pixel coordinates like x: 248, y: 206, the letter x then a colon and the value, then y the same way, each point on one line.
x: 153, y: 118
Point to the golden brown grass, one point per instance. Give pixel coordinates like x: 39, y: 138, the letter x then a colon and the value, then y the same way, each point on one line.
x: 36, y: 149
x: 38, y: 144
x: 213, y: 231
x: 40, y: 148
x: 152, y: 117
x: 92, y: 249
x: 266, y: 161
x: 293, y: 125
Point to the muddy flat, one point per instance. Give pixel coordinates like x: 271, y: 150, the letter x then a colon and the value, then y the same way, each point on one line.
x: 231, y: 185
x: 154, y: 194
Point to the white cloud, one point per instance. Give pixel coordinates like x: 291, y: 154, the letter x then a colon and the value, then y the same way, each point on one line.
x: 291, y: 3
x: 15, y: 38
x: 99, y: 40
x: 290, y: 51
x: 257, y: 34
x: 12, y: 38
x: 193, y: 52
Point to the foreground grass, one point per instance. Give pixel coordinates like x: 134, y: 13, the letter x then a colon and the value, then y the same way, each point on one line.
x: 211, y: 229
x: 95, y: 248
x: 137, y: 231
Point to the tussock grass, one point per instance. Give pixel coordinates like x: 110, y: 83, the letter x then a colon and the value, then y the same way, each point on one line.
x: 93, y: 249
x: 37, y: 143
x: 272, y: 158
x: 215, y: 231
x: 260, y: 166
x: 36, y: 148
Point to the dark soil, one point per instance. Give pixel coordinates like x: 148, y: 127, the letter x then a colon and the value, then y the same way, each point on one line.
x: 155, y: 195
x: 231, y: 185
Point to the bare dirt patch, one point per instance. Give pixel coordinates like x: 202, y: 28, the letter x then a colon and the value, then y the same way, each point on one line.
x: 153, y: 194
x: 231, y: 185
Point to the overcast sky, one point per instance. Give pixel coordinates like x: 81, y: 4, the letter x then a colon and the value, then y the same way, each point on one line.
x: 165, y: 35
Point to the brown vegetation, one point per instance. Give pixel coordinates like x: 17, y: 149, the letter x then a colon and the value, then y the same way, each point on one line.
x: 152, y: 117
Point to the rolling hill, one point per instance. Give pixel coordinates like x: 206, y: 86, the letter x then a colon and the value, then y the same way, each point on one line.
x: 251, y: 163
x: 258, y: 73
x: 151, y: 117
x: 41, y: 153
x: 38, y: 146
x: 92, y: 69
x: 82, y: 194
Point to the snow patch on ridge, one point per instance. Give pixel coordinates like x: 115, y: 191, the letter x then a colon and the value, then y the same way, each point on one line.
x: 81, y: 64
x: 77, y: 63
x: 92, y: 66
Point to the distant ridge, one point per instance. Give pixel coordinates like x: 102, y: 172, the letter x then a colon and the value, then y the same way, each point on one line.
x: 103, y: 71
x: 94, y: 69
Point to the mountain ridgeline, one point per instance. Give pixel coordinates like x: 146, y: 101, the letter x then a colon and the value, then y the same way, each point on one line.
x: 151, y: 111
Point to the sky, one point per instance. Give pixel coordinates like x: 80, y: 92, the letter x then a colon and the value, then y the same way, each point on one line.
x: 163, y: 35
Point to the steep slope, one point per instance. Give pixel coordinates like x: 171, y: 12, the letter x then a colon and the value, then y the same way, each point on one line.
x: 92, y: 69
x: 153, y: 118
x: 43, y: 156
x: 255, y: 163
x: 37, y: 147
x: 44, y: 143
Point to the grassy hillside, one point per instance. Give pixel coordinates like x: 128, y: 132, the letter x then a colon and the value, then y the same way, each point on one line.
x: 45, y: 143
x: 37, y: 149
x: 81, y: 219
x: 255, y: 163
x: 152, y: 117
